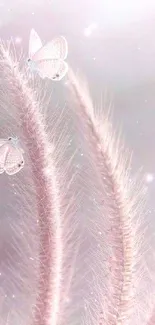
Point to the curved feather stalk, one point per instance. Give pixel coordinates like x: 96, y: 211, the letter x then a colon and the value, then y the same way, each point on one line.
x: 151, y: 320
x: 49, y: 200
x: 121, y: 204
x: 150, y: 294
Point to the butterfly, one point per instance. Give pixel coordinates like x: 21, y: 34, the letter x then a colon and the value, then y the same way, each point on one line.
x: 11, y: 156
x: 48, y: 60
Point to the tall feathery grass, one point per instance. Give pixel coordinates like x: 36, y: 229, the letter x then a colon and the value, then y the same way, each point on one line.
x: 116, y: 228
x: 121, y: 206
x: 51, y: 208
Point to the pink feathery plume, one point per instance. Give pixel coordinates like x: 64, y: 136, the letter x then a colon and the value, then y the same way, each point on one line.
x: 46, y: 181
x: 151, y: 314
x: 151, y: 321
x: 119, y: 210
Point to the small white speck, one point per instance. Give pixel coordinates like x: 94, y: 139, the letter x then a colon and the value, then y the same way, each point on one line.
x: 18, y: 40
x: 88, y: 31
x: 149, y: 178
x: 70, y: 142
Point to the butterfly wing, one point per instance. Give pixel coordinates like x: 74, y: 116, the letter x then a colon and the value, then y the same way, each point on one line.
x: 3, y: 153
x: 14, y: 160
x: 52, y: 69
x: 35, y: 43
x: 56, y: 49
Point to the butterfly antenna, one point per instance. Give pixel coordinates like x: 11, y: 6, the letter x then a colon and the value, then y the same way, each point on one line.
x: 8, y: 45
x: 8, y: 317
x: 12, y: 50
x: 21, y: 55
x: 14, y: 137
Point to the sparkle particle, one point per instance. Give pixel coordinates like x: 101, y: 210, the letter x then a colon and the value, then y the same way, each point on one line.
x: 149, y: 178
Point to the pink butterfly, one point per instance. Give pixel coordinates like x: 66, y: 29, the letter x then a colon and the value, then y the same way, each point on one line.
x: 11, y: 156
x: 48, y: 60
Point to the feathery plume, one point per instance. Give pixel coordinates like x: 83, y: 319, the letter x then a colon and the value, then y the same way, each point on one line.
x: 119, y: 209
x: 15, y: 90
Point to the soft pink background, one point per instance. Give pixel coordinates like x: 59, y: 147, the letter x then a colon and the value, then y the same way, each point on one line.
x: 118, y: 58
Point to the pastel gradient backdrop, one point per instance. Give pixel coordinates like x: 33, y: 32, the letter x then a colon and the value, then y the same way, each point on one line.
x: 118, y: 60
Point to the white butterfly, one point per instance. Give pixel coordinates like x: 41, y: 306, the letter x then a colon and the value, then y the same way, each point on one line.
x: 48, y: 60
x: 11, y: 156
